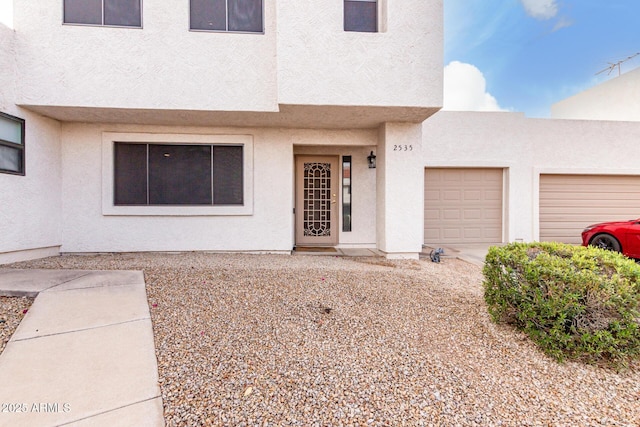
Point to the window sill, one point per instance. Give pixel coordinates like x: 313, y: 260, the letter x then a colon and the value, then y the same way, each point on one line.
x: 175, y: 210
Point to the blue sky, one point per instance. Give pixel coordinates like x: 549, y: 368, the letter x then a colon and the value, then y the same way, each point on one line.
x: 533, y: 53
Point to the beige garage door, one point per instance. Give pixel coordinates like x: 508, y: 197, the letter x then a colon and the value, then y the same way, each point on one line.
x: 462, y: 205
x: 568, y: 203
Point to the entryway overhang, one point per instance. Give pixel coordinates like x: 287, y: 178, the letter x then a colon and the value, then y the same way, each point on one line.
x: 286, y: 116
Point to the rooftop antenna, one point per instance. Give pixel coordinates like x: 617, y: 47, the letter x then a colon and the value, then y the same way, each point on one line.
x: 613, y: 65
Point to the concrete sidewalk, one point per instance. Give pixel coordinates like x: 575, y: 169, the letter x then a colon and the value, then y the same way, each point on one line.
x: 83, y: 354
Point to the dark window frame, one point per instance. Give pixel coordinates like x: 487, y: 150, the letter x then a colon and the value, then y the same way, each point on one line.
x: 209, y: 191
x: 19, y: 147
x: 354, y: 16
x: 102, y: 14
x: 226, y: 29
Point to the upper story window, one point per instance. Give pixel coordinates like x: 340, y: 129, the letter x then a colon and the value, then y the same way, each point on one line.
x: 11, y: 144
x: 117, y: 13
x: 245, y: 16
x: 361, y: 15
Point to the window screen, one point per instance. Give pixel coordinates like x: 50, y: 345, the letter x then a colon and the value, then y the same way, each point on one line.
x: 172, y: 174
x: 12, y: 159
x: 227, y: 175
x: 361, y: 15
x: 227, y: 15
x: 122, y: 13
x: 130, y: 174
x: 179, y: 175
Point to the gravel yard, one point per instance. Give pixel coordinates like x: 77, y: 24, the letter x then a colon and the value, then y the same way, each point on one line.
x: 12, y: 310
x: 267, y: 340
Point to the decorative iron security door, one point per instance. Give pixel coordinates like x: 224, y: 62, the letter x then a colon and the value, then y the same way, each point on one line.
x: 316, y: 201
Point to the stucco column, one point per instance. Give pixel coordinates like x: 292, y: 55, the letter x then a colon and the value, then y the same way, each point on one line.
x: 399, y: 190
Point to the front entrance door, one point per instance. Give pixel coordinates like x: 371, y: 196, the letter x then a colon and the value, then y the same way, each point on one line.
x: 316, y: 200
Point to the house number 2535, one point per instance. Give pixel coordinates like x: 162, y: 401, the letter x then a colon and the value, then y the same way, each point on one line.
x: 403, y: 147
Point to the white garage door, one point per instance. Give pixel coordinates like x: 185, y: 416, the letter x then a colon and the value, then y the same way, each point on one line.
x: 568, y: 203
x: 462, y: 205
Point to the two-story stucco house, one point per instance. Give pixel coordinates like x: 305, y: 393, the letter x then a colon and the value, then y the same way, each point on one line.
x: 215, y: 125
x: 261, y: 126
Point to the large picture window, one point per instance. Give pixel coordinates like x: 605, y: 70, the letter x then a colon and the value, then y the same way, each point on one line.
x: 167, y: 174
x: 11, y: 144
x: 361, y: 15
x: 117, y: 13
x: 227, y: 15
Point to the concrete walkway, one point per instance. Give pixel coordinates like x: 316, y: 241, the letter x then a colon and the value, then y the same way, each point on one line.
x: 472, y: 253
x: 84, y: 353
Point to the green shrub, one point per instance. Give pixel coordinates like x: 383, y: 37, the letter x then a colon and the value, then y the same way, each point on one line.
x: 578, y: 303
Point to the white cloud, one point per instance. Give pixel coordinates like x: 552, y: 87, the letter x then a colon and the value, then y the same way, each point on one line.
x: 6, y: 13
x: 540, y: 9
x: 562, y: 23
x: 465, y: 89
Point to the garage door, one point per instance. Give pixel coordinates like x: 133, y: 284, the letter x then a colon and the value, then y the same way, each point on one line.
x: 462, y: 205
x: 568, y: 203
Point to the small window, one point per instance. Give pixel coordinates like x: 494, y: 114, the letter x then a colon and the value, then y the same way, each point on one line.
x: 177, y: 175
x: 11, y: 144
x: 346, y: 193
x: 116, y: 13
x: 244, y: 16
x: 361, y: 15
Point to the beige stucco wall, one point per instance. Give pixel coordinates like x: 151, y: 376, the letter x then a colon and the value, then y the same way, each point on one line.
x: 616, y: 99
x: 269, y: 227
x: 30, y: 205
x: 526, y: 148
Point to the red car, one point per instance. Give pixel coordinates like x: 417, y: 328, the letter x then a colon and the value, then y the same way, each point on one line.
x: 619, y: 236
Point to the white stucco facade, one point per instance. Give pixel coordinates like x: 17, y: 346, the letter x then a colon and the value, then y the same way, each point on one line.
x: 302, y: 87
x: 401, y: 65
x: 30, y: 205
x: 617, y: 99
x: 268, y: 227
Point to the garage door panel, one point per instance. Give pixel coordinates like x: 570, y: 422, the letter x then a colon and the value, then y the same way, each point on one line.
x: 451, y: 233
x: 473, y: 195
x: 451, y: 214
x: 492, y: 233
x: 494, y: 195
x: 451, y: 177
x: 432, y: 195
x: 555, y: 214
x: 492, y: 214
x: 593, y: 195
x: 473, y: 233
x: 452, y: 195
x: 469, y: 202
x: 474, y: 176
x: 432, y: 214
x: 432, y: 234
x: 568, y: 203
x: 471, y: 214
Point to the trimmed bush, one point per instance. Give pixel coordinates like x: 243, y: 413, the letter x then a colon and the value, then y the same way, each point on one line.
x: 577, y: 303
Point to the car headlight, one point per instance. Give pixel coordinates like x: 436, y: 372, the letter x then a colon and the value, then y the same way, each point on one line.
x: 589, y: 228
